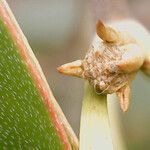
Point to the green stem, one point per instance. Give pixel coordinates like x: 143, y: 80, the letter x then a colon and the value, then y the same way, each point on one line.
x: 94, y: 130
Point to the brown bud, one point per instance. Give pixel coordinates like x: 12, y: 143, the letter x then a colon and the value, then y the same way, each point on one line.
x: 110, y: 66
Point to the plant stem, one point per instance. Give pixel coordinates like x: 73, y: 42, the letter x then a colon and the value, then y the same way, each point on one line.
x: 115, y: 123
x: 94, y: 129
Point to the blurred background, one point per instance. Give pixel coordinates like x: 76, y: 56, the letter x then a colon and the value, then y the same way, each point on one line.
x: 61, y: 31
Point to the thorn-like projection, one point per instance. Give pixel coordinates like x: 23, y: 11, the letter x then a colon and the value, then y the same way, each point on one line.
x: 124, y: 97
x: 111, y: 35
x: 111, y: 64
x: 106, y: 33
x: 72, y: 69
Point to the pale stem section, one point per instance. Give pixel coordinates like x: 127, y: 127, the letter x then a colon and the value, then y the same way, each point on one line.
x: 115, y: 123
x: 95, y: 132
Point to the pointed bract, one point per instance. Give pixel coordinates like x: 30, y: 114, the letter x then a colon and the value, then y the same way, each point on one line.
x: 106, y: 33
x: 124, y: 97
x: 72, y: 69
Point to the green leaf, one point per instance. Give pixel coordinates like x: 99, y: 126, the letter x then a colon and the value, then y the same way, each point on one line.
x: 29, y: 115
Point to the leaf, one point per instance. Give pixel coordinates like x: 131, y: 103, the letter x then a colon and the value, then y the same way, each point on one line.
x: 30, y: 118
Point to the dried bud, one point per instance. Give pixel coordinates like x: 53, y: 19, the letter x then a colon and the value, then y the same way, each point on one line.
x: 109, y: 65
x: 100, y: 68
